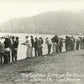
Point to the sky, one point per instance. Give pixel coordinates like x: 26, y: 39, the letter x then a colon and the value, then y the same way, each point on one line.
x: 27, y: 8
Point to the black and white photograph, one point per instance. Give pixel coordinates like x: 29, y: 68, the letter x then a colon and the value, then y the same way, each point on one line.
x: 41, y: 41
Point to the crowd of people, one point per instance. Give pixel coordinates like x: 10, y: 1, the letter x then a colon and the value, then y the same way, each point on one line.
x: 74, y: 44
x: 34, y: 44
x: 9, y: 48
x: 55, y: 43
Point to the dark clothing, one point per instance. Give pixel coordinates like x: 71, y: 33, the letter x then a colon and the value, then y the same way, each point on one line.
x: 49, y: 48
x: 6, y: 57
x: 2, y: 51
x: 83, y: 43
x: 77, y: 45
x: 7, y: 43
x: 68, y: 43
x: 35, y: 44
x: 83, y: 40
x: 36, y: 51
x: 14, y: 50
x: 35, y: 47
x: 1, y: 57
x: 38, y: 48
x: 41, y: 51
x: 41, y: 41
x: 55, y: 40
x: 72, y: 44
x: 32, y: 42
x: 60, y: 45
x: 14, y: 54
x: 15, y: 44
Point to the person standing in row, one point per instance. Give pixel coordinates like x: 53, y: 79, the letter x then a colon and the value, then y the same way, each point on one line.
x: 12, y: 47
x: 7, y: 43
x: 41, y: 41
x: 78, y: 44
x: 2, y: 51
x: 35, y: 46
x: 32, y: 43
x: 38, y: 46
x: 72, y: 43
x: 55, y: 44
x: 15, y: 48
x: 49, y: 44
x: 29, y: 46
x: 60, y: 44
x: 67, y: 43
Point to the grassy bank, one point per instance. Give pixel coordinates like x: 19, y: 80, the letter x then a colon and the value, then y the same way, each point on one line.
x: 62, y: 68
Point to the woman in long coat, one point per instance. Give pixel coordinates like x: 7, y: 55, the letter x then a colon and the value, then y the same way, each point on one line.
x: 29, y: 47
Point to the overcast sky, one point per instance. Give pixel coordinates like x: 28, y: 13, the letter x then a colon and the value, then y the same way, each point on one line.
x: 27, y: 8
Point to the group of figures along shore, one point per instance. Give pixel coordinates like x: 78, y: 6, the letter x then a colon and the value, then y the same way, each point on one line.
x: 53, y: 43
x: 9, y: 48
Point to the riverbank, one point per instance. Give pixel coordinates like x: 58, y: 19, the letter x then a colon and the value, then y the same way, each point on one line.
x: 53, y: 69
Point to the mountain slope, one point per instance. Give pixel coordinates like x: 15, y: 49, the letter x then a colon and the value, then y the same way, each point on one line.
x: 50, y: 22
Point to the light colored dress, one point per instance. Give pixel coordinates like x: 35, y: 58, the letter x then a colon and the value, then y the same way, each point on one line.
x: 29, y: 47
